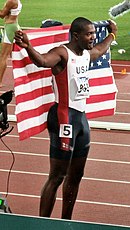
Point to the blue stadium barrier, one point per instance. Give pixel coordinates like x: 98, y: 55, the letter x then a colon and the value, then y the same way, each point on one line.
x: 17, y: 222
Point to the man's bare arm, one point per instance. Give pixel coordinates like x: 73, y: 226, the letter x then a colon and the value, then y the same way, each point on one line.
x: 49, y: 59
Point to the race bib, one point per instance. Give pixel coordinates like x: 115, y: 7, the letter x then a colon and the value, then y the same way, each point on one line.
x: 65, y: 130
x: 79, y: 88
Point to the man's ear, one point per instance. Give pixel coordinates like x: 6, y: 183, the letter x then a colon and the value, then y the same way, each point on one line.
x: 75, y: 35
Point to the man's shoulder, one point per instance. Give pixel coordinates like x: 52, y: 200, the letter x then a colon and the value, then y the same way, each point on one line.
x: 60, y: 49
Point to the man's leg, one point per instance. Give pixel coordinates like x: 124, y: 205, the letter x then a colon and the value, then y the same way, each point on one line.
x: 71, y: 186
x: 58, y: 170
x: 6, y: 50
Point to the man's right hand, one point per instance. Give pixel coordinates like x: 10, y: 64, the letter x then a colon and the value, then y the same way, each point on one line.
x: 21, y: 39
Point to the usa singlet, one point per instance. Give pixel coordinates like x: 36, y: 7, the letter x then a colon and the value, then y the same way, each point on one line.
x: 71, y: 88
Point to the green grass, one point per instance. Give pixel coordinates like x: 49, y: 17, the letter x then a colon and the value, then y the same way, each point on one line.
x: 34, y: 12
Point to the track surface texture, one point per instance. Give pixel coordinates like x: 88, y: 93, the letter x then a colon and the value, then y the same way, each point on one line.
x: 104, y: 194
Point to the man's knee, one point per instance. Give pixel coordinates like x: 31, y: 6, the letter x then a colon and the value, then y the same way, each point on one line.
x: 56, y: 180
x: 74, y: 179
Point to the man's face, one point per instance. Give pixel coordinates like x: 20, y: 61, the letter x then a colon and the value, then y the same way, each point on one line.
x: 87, y: 37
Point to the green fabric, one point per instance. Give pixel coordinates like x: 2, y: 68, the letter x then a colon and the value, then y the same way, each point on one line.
x: 9, y: 31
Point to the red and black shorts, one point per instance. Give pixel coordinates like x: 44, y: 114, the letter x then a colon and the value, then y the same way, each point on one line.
x: 80, y: 141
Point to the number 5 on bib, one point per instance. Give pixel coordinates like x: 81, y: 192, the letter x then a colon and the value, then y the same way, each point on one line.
x: 65, y: 130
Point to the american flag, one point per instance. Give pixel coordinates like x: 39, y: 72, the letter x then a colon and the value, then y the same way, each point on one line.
x: 33, y: 87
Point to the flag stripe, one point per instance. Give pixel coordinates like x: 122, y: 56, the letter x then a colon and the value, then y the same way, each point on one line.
x: 101, y: 113
x: 32, y: 85
x: 99, y: 106
x: 34, y: 94
x: 32, y: 76
x: 100, y: 98
x: 32, y: 104
x: 37, y: 111
x: 29, y: 123
x: 31, y: 131
x: 50, y: 39
x: 96, y: 82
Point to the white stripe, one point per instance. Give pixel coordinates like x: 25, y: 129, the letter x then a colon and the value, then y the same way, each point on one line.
x: 79, y: 201
x: 121, y: 64
x: 45, y: 48
x: 19, y: 55
x: 109, y: 161
x: 124, y: 93
x: 99, y: 73
x: 122, y: 113
x: 26, y: 153
x: 24, y: 71
x: 120, y: 100
x: 29, y: 123
x: 83, y: 178
x: 30, y: 86
x: 9, y: 66
x: 102, y: 89
x: 40, y: 34
x: 34, y: 103
x: 122, y: 73
x: 100, y: 106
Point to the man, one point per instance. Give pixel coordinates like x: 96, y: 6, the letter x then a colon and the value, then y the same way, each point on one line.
x: 9, y: 13
x: 67, y: 124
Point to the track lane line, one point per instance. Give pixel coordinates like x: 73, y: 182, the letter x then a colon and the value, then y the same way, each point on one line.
x: 83, y: 178
x: 92, y: 142
x: 78, y: 201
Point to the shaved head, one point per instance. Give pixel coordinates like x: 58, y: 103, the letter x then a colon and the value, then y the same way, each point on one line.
x: 78, y: 25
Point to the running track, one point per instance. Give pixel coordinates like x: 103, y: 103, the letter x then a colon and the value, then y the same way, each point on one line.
x: 104, y: 195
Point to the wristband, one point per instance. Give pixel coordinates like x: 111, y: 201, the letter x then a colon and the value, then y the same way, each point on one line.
x: 113, y: 35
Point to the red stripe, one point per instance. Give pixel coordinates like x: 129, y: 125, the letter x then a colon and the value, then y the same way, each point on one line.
x: 34, y: 94
x: 16, y: 47
x: 33, y: 112
x: 49, y: 39
x: 100, y: 98
x: 32, y: 77
x: 32, y: 131
x: 21, y: 63
x: 101, y: 113
x: 62, y: 81
x: 63, y: 110
x: 63, y: 36
x: 100, y: 81
x: 54, y: 28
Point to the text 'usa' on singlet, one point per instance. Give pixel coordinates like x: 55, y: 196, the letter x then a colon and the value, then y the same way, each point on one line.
x: 71, y: 86
x: 16, y: 11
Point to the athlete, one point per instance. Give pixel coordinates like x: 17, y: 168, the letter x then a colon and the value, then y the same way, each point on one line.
x: 67, y: 123
x: 9, y: 13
